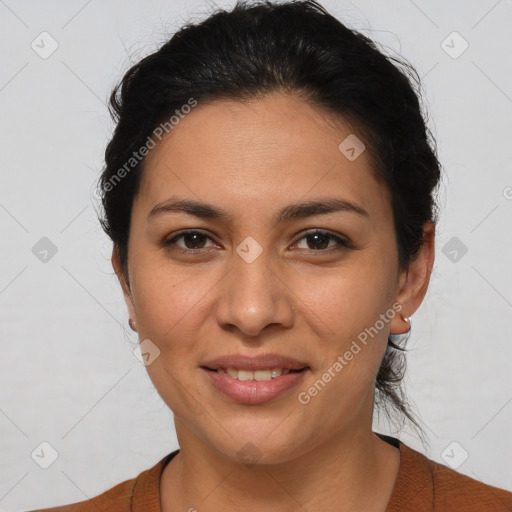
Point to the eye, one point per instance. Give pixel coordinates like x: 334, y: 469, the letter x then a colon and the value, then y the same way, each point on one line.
x: 193, y: 239
x: 320, y: 240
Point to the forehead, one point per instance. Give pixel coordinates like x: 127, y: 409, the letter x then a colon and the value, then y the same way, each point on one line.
x: 267, y: 150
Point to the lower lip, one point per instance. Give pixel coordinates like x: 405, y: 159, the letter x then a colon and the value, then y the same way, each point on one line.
x: 254, y: 392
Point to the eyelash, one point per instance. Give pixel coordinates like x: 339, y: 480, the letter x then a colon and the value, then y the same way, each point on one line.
x: 340, y: 241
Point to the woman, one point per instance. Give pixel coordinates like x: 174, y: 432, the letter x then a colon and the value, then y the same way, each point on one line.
x: 270, y: 194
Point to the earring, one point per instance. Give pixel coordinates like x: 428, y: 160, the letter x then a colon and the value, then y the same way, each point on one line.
x: 401, y: 337
x: 131, y: 323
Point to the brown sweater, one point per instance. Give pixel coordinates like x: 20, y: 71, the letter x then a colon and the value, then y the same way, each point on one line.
x: 422, y: 485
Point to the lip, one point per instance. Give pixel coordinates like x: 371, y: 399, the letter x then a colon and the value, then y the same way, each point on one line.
x: 254, y: 363
x: 253, y: 392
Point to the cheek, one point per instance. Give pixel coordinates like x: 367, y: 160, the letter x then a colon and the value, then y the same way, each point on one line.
x: 347, y: 299
x: 167, y: 298
x: 334, y: 305
x: 354, y: 306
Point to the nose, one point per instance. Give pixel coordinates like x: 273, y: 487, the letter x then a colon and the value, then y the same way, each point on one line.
x: 253, y: 296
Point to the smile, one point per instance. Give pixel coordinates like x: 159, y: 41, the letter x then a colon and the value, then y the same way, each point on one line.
x: 259, y: 375
x: 254, y: 387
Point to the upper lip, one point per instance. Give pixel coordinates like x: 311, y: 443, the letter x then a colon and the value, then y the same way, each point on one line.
x: 254, y: 363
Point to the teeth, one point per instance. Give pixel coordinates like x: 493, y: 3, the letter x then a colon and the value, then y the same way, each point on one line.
x: 262, y: 375
x: 258, y: 375
x: 232, y: 373
x: 245, y: 375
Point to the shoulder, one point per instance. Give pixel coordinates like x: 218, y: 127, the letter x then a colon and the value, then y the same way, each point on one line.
x: 117, y: 498
x: 432, y: 486
x: 467, y: 493
x: 137, y: 494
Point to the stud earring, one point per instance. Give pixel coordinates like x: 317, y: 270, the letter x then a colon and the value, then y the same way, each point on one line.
x: 401, y: 337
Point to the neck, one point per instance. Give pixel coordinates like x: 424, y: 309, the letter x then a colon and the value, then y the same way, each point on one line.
x: 355, y: 471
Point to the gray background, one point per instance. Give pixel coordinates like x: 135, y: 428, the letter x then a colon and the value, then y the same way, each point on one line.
x: 69, y: 376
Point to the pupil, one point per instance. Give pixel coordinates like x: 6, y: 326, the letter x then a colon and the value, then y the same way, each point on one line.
x: 317, y: 244
x: 316, y: 236
x: 189, y: 236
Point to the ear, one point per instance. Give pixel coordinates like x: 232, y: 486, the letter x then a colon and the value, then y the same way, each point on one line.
x: 124, y: 281
x: 413, y: 282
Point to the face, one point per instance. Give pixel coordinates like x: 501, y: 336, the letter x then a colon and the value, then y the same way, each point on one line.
x: 255, y: 274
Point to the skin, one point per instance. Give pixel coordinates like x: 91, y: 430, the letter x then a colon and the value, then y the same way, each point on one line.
x: 252, y: 159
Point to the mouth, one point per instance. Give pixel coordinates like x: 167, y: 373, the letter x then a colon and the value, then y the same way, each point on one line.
x: 257, y: 375
x: 254, y: 387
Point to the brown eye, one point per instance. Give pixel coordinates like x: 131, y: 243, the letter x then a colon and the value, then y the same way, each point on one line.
x: 319, y: 240
x: 193, y: 240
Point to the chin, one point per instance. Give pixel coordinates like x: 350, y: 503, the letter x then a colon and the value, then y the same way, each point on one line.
x: 251, y: 450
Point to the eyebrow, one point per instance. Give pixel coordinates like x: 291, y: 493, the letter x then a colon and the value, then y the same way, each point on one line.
x: 291, y: 212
